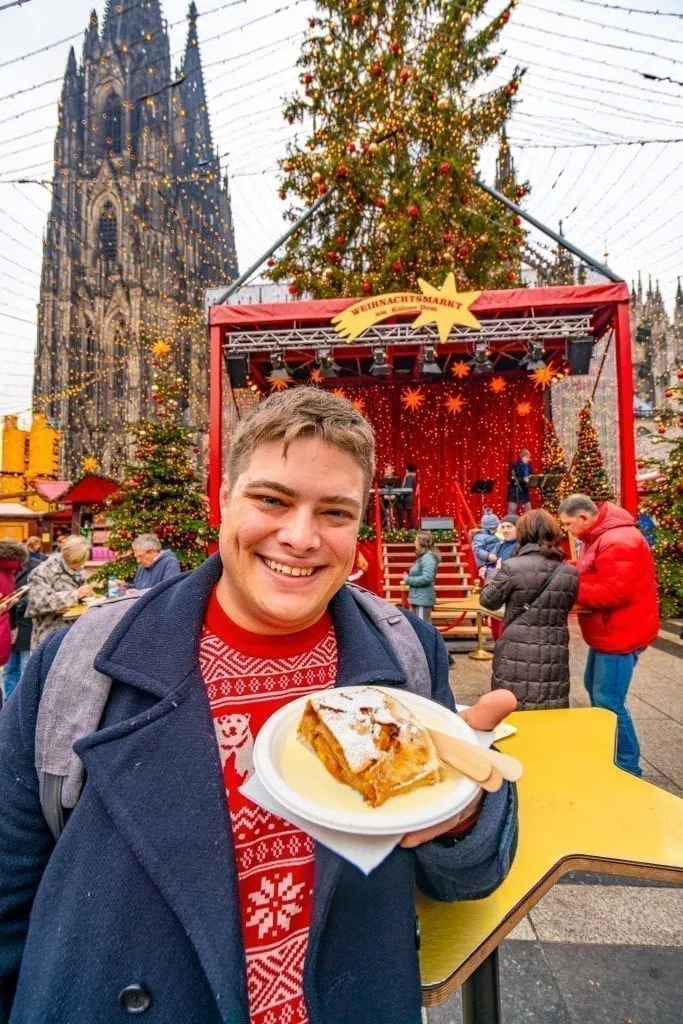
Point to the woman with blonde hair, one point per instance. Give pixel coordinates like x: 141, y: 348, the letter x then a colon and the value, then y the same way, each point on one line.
x: 538, y: 590
x: 422, y: 574
x: 55, y: 585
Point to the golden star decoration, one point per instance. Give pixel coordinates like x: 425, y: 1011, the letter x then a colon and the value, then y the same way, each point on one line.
x: 460, y: 369
x: 316, y: 376
x: 451, y: 307
x: 339, y: 392
x: 359, y: 405
x: 523, y: 408
x: 454, y: 404
x: 161, y: 348
x: 412, y: 398
x: 278, y: 383
x: 497, y: 385
x: 90, y: 464
x: 543, y: 377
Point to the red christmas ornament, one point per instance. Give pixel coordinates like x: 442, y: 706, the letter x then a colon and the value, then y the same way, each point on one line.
x: 312, y: 22
x: 342, y: 171
x: 293, y: 289
x: 271, y: 262
x: 447, y: 238
x: 463, y: 199
x: 308, y: 78
x: 282, y: 194
x: 405, y: 75
x: 413, y: 210
x: 366, y: 287
x: 351, y: 148
x: 397, y: 266
x: 322, y: 189
x: 505, y: 17
x: 376, y: 70
x: 394, y: 48
x: 463, y: 252
x: 445, y: 167
x: 380, y: 202
x: 680, y: 374
x: 340, y: 239
x: 516, y: 221
x: 511, y: 275
x: 356, y: 19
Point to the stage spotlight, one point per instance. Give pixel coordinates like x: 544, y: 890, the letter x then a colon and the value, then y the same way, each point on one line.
x: 427, y: 363
x: 381, y: 367
x: 238, y: 369
x: 480, y: 361
x: 533, y: 358
x: 328, y: 367
x: 279, y: 368
x: 579, y: 352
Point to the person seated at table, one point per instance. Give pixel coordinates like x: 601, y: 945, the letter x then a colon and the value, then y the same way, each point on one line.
x: 154, y: 563
x: 538, y: 590
x: 406, y: 502
x: 55, y: 585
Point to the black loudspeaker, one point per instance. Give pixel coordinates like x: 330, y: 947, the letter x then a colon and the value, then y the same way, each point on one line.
x: 236, y: 366
x: 579, y: 352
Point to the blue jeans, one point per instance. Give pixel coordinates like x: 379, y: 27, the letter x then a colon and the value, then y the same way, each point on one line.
x: 607, y: 679
x: 13, y: 671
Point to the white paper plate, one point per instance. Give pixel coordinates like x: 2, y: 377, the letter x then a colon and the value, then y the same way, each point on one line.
x: 342, y: 807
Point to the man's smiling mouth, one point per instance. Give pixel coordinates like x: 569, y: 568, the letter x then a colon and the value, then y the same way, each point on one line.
x: 289, y: 570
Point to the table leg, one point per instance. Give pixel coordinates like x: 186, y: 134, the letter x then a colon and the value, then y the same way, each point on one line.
x: 479, y: 654
x: 481, y: 994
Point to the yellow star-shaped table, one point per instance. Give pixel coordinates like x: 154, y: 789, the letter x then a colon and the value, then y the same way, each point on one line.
x: 577, y: 811
x: 449, y: 307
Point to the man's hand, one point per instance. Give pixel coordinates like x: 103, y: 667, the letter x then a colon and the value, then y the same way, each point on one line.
x: 490, y: 709
x: 84, y: 591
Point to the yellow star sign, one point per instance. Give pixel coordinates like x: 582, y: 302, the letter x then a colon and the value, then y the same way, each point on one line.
x: 443, y: 306
x: 450, y: 307
x: 577, y: 811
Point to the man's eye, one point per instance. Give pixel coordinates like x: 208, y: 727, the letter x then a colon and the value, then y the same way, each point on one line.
x: 268, y: 500
x: 338, y: 513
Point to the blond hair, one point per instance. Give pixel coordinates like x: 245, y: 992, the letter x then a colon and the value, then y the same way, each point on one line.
x: 75, y: 551
x: 427, y: 544
x: 304, y: 412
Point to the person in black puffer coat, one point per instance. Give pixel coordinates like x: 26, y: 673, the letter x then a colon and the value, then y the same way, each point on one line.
x: 532, y: 655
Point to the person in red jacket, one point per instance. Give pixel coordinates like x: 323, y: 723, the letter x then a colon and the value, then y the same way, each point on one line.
x: 618, y: 587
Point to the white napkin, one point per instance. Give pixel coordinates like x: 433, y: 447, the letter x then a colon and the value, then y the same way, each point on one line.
x: 365, y: 852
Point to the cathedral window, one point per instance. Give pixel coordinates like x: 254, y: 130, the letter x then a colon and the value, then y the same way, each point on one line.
x: 111, y: 124
x: 119, y: 375
x: 108, y: 233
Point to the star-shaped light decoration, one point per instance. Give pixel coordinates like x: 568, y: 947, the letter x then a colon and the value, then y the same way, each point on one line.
x: 454, y: 404
x: 359, y: 405
x: 460, y: 368
x: 452, y: 307
x: 279, y: 383
x: 412, y: 398
x: 316, y: 375
x: 161, y: 348
x: 498, y: 385
x: 339, y: 392
x: 90, y: 464
x: 523, y: 408
x: 543, y: 377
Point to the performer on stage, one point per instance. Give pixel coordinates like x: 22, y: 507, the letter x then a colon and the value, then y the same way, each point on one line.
x: 389, y: 479
x: 406, y: 502
x: 518, y: 483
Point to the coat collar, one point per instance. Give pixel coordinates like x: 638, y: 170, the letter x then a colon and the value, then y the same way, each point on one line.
x: 156, y: 645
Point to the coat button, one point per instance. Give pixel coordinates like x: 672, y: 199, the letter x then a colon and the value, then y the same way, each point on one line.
x: 135, y: 999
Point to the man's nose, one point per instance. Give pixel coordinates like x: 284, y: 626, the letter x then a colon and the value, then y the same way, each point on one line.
x: 300, y: 531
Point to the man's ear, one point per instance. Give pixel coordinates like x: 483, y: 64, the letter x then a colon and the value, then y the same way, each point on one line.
x: 224, y: 495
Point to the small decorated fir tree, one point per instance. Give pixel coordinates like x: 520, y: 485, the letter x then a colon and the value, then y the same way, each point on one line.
x: 588, y: 469
x: 554, y: 466
x: 665, y: 504
x: 162, y: 493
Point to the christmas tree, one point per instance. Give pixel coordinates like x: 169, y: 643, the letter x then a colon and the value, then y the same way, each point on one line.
x: 162, y: 493
x: 396, y: 104
x: 664, y: 503
x: 588, y: 471
x: 558, y: 486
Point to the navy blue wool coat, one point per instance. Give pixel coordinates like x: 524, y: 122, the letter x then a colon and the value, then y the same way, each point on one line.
x: 141, y: 888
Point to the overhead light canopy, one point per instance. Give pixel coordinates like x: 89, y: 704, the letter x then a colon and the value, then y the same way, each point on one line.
x: 279, y: 368
x: 427, y: 363
x: 534, y: 357
x: 480, y: 361
x: 328, y: 367
x: 381, y: 367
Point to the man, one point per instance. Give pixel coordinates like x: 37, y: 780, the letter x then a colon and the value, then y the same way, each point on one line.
x: 617, y: 585
x: 154, y: 564
x: 163, y: 896
x: 518, y: 482
x: 21, y: 624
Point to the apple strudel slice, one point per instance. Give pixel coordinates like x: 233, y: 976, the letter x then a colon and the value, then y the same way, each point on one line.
x: 370, y: 741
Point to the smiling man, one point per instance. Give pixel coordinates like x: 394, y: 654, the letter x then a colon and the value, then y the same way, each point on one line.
x: 169, y: 893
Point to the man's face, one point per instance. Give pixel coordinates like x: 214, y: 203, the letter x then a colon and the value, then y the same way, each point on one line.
x: 288, y: 534
x: 526, y: 459
x: 579, y: 523
x: 388, y: 470
x: 509, y: 531
x: 145, y: 556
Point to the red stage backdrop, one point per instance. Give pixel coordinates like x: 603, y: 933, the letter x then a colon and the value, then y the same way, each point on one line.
x: 478, y: 442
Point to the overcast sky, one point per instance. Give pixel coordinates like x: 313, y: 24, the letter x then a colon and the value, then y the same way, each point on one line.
x: 585, y: 95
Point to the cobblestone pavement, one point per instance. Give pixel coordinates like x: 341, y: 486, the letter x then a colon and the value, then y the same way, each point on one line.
x: 599, y: 949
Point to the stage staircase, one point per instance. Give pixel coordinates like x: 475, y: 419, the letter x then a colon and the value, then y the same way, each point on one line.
x: 453, y: 581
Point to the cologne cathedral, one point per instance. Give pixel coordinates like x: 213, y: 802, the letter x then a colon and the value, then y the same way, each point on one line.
x: 140, y: 225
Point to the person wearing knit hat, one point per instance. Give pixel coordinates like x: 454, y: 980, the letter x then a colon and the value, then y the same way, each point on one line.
x: 485, y: 542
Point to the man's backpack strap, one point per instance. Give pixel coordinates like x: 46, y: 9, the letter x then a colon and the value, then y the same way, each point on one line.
x: 403, y: 639
x: 71, y: 706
